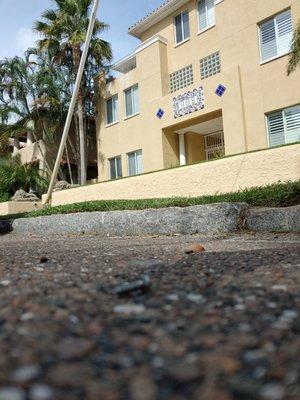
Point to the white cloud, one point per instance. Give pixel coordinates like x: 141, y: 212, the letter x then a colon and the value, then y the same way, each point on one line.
x: 25, y: 38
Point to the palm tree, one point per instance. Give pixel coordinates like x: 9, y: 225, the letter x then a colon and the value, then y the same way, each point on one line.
x: 19, y: 95
x: 34, y: 96
x: 63, y: 32
x: 294, y: 60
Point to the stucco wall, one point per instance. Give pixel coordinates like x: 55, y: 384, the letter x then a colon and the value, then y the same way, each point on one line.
x: 220, y: 176
x: 253, y: 88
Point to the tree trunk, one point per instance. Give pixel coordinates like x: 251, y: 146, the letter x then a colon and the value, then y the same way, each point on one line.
x: 82, y: 162
x: 81, y: 143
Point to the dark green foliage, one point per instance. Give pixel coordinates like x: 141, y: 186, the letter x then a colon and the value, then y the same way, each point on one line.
x: 15, y: 176
x: 294, y: 59
x: 277, y: 195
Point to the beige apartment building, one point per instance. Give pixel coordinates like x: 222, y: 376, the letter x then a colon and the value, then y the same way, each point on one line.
x: 208, y: 79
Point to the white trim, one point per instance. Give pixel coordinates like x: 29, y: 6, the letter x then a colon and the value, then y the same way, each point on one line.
x: 206, y: 29
x: 131, y: 116
x: 274, y: 58
x: 150, y: 41
x: 118, y: 66
x: 160, y: 13
x: 267, y: 129
x: 182, y: 42
x: 112, y: 124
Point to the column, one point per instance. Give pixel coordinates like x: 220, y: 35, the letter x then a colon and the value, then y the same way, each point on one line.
x: 182, y: 152
x: 16, y: 145
x: 29, y: 138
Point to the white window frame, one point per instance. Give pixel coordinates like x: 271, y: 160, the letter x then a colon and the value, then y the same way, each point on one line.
x: 276, y: 31
x: 109, y: 170
x: 282, y: 110
x: 138, y: 105
x: 182, y: 30
x: 117, y: 113
x: 135, y: 153
x: 198, y: 17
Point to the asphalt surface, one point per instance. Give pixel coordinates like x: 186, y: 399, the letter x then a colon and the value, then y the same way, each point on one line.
x: 84, y: 317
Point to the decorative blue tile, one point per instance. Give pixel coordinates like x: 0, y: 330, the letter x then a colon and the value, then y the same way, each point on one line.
x: 220, y: 90
x: 160, y: 113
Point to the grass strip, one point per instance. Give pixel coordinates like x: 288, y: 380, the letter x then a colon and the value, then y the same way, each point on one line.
x: 276, y: 195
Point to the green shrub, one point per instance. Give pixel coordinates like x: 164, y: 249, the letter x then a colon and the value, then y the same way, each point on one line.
x: 15, y: 176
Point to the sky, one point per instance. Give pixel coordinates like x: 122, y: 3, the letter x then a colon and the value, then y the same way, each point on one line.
x: 17, y: 17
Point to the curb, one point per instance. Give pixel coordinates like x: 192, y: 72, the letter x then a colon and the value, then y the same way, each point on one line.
x: 205, y: 219
x: 213, y: 218
x: 274, y: 219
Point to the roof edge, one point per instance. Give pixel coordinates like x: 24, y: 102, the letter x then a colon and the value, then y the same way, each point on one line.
x: 155, y: 16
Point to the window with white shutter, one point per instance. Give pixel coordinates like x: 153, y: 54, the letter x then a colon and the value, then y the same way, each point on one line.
x: 206, y: 10
x: 284, y: 126
x: 276, y: 36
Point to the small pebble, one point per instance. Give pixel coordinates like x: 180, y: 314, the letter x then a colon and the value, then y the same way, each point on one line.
x: 41, y: 392
x: 272, y: 392
x: 194, y: 248
x: 11, y: 393
x: 279, y: 287
x: 5, y: 282
x: 27, y: 316
x: 129, y: 309
x: 26, y: 373
x: 43, y: 260
x: 195, y: 298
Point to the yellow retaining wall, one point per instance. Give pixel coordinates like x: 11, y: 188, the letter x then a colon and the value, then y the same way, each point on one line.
x: 220, y: 176
x: 18, y: 207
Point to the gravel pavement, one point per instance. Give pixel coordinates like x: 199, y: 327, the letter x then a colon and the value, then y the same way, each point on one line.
x: 90, y: 318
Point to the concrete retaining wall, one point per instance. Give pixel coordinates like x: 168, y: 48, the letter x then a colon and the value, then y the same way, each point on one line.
x: 209, y: 178
x: 18, y: 207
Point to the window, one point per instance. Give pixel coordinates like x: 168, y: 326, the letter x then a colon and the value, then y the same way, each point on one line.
x: 135, y: 162
x: 206, y: 9
x: 284, y: 126
x: 115, y: 168
x: 210, y: 65
x: 132, y: 101
x: 112, y: 110
x: 182, y: 27
x: 182, y: 78
x: 276, y: 36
